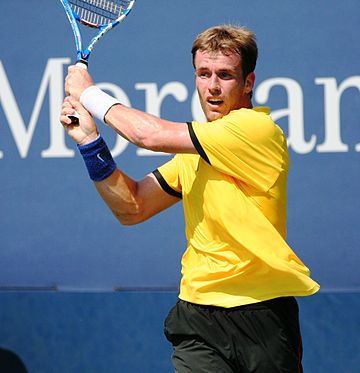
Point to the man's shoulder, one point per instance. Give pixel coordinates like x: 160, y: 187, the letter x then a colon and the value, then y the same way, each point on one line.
x: 258, y: 112
x: 253, y: 119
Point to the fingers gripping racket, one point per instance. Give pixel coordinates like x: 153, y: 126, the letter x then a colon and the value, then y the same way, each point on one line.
x: 102, y: 15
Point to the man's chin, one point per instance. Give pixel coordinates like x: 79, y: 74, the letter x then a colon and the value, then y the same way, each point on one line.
x: 213, y: 115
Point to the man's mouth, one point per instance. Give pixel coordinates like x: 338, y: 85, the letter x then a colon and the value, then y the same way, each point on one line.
x: 215, y: 101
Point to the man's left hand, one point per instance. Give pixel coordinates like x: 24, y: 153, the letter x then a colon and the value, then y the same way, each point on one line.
x: 77, y: 80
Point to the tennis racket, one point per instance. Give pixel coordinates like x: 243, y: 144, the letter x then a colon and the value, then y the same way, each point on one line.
x: 101, y: 15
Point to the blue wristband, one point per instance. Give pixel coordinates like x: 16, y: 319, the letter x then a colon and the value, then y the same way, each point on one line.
x: 98, y: 159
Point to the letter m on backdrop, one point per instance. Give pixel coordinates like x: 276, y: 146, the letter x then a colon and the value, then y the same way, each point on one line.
x: 52, y: 80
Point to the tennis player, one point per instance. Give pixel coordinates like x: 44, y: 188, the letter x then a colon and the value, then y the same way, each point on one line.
x: 236, y: 310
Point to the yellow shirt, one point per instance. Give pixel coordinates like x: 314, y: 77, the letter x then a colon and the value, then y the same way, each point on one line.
x: 234, y: 200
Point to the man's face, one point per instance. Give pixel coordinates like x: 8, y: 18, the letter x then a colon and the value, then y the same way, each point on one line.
x: 220, y: 83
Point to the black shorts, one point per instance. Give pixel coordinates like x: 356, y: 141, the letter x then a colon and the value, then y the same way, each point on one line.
x: 262, y: 337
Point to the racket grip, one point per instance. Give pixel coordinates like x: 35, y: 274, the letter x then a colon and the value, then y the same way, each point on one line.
x: 82, y: 63
x: 74, y: 118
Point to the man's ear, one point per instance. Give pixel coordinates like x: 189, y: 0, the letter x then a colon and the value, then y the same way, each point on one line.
x: 249, y: 82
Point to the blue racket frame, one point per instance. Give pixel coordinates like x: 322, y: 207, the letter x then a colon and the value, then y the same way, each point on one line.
x: 75, y: 20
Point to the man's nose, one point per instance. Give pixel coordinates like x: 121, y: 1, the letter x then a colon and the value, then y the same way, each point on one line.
x: 214, y: 85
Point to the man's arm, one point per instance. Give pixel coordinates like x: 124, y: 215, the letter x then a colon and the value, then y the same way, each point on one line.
x: 150, y: 132
x: 140, y: 128
x: 131, y: 202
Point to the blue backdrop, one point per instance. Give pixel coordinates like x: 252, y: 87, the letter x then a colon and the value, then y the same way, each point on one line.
x: 56, y: 234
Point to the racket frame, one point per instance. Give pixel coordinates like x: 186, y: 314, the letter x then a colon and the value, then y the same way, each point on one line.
x: 75, y: 20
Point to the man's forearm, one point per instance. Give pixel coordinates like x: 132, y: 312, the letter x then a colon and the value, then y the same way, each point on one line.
x: 119, y: 193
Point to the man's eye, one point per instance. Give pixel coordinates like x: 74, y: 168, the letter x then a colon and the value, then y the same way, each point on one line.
x: 225, y: 75
x: 203, y: 74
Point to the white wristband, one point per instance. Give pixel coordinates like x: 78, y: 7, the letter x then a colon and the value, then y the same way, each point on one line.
x: 97, y: 102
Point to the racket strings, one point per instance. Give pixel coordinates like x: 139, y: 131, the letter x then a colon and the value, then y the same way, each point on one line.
x: 99, y: 12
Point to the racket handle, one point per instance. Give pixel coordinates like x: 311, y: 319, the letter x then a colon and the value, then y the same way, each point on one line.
x: 82, y: 63
x: 74, y: 118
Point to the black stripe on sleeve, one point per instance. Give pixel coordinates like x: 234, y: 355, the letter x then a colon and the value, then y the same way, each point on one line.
x: 166, y: 187
x: 197, y: 144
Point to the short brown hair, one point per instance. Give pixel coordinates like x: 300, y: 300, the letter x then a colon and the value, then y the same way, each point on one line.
x: 229, y: 38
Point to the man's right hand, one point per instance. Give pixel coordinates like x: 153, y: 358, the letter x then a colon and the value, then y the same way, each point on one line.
x: 86, y: 130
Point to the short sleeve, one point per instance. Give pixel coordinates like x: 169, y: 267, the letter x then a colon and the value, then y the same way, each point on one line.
x: 168, y: 177
x: 245, y: 144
